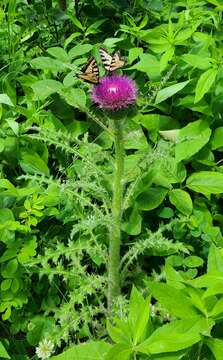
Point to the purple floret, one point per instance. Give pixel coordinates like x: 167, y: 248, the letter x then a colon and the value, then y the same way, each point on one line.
x: 114, y: 92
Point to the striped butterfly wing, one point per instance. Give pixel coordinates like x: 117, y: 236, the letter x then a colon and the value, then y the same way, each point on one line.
x: 111, y: 63
x: 106, y: 59
x: 117, y: 62
x: 90, y: 72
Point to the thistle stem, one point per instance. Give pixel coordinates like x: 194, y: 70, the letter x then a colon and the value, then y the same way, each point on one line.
x: 115, y: 231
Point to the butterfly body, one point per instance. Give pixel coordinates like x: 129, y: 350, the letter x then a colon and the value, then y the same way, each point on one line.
x: 111, y: 62
x: 90, y: 72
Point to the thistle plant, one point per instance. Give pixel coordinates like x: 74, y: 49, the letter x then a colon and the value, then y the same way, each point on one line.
x: 115, y: 93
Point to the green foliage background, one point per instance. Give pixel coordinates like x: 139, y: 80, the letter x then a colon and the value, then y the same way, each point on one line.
x: 56, y: 179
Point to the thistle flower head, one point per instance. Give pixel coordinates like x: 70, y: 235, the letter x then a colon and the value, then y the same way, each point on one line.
x: 45, y: 349
x: 114, y: 92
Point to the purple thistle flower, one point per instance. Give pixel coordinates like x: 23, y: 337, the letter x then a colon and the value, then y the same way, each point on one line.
x: 114, y: 92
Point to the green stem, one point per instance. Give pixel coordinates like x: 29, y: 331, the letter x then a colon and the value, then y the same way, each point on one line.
x: 115, y: 232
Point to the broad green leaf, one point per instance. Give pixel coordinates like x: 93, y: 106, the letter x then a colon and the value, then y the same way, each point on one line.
x: 182, y: 200
x: 166, y: 213
x: 191, y: 139
x: 134, y: 137
x: 193, y: 261
x: 184, y: 34
x: 151, y: 198
x: 79, y: 50
x: 214, y: 289
x: 5, y: 99
x: 138, y: 315
x: 177, y: 355
x: 13, y: 125
x: 174, y: 300
x: 173, y: 277
x: 11, y: 267
x: 47, y: 63
x: 33, y: 163
x: 215, y: 260
x: 94, y: 28
x: 74, y: 97
x: 111, y: 42
x: 92, y: 350
x: 150, y: 65
x: 170, y: 135
x: 75, y: 21
x: 207, y: 280
x: 134, y: 223
x: 166, y: 57
x: 120, y: 333
x: 197, y: 300
x: 217, y: 310
x: 216, y: 347
x: 58, y: 53
x: 204, y: 83
x: 3, y: 352
x: 134, y: 53
x: 177, y: 335
x: 9, y: 188
x: 217, y: 140
x: 168, y: 171
x: 206, y: 182
x: 39, y: 328
x: 170, y: 91
x: 6, y: 284
x: 6, y: 215
x: 156, y: 122
x: 196, y: 61
x: 44, y: 88
x: 158, y: 42
x: 27, y: 251
x: 117, y: 352
x: 77, y: 128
